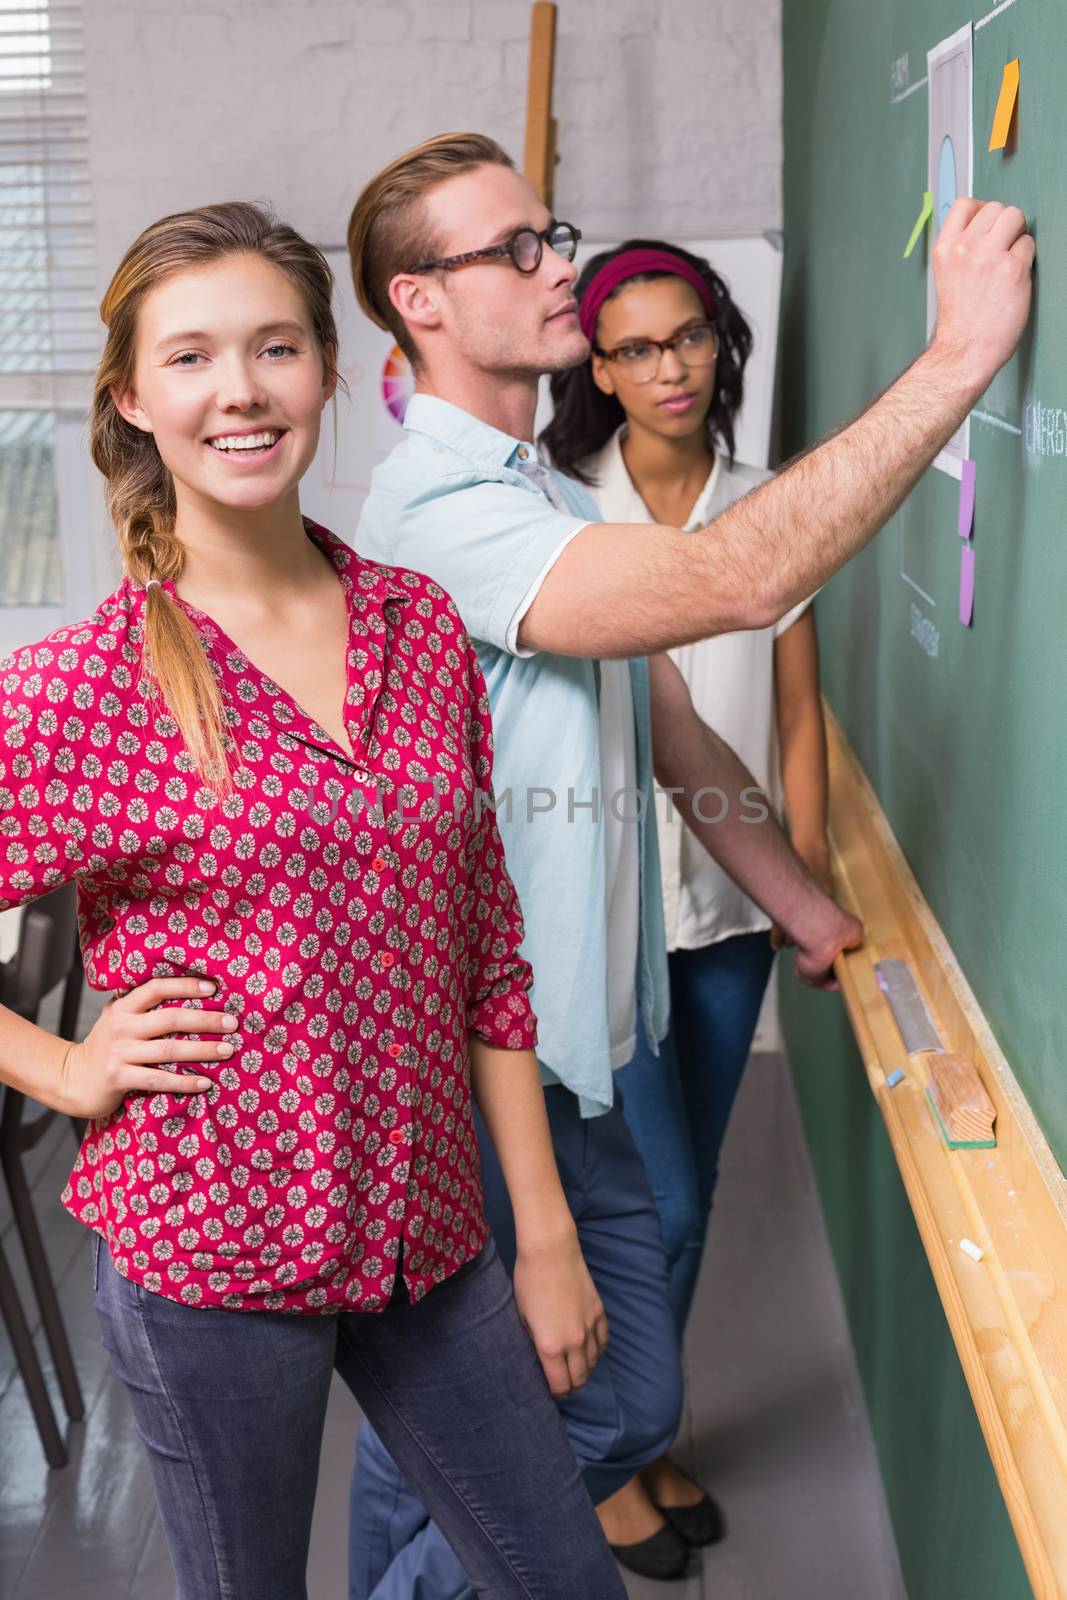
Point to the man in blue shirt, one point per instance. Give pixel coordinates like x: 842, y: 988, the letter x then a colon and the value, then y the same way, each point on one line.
x: 454, y: 252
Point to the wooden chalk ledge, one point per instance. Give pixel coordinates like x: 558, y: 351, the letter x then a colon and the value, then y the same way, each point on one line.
x: 989, y: 1199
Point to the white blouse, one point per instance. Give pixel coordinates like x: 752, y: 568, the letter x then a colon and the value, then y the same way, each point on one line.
x: 731, y: 680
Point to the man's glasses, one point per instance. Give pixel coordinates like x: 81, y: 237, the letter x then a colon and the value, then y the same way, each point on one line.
x: 524, y: 248
x: 640, y: 359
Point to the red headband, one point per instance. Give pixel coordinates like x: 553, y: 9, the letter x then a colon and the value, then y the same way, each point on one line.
x: 632, y: 264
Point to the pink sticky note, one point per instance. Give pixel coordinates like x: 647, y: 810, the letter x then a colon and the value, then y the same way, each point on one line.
x: 966, y: 584
x: 966, y: 520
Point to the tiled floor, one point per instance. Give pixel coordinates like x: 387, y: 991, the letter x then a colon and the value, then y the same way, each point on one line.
x: 775, y: 1417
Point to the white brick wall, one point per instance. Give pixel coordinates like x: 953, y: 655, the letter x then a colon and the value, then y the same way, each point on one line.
x: 669, y: 110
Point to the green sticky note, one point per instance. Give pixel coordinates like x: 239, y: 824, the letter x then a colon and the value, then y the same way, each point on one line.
x: 920, y: 221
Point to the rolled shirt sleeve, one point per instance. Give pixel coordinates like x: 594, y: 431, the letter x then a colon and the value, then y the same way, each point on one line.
x: 498, y: 977
x: 39, y: 837
x: 784, y: 624
x: 511, y: 537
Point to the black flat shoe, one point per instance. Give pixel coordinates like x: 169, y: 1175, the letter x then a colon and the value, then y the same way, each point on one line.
x: 664, y: 1555
x: 696, y: 1525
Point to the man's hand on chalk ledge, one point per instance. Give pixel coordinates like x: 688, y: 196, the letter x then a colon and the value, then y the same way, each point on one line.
x: 833, y: 930
x: 983, y: 263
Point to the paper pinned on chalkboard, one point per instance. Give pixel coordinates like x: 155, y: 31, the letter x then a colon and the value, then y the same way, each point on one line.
x: 949, y: 169
x: 966, y: 512
x: 1009, y: 93
x: 967, y: 584
x: 926, y: 211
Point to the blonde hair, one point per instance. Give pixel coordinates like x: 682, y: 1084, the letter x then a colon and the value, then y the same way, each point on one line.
x: 140, y: 490
x: 388, y: 231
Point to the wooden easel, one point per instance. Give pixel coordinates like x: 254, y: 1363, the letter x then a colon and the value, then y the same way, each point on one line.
x: 539, y: 164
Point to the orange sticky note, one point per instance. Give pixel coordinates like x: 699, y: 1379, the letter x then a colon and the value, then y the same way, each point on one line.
x: 1009, y: 91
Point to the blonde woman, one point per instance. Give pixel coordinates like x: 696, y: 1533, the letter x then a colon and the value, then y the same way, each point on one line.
x: 266, y: 764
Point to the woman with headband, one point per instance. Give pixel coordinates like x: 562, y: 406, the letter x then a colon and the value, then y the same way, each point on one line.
x: 648, y: 424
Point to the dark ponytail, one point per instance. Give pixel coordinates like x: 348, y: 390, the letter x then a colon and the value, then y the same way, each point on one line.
x: 584, y: 418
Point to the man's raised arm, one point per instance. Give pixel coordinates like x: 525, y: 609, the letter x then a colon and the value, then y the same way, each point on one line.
x: 631, y: 589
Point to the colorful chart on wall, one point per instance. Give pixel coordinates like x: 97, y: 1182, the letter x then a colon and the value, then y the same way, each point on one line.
x: 950, y: 165
x: 398, y: 383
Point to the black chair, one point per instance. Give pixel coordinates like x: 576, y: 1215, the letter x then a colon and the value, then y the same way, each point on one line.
x: 18, y: 1331
x: 47, y: 955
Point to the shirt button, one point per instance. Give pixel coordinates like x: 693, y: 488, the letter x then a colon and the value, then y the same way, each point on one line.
x: 396, y: 1137
x: 524, y: 454
x: 394, y: 1050
x: 387, y: 959
x: 378, y: 863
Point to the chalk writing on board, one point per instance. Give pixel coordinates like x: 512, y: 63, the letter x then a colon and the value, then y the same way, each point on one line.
x: 906, y: 94
x: 1044, y: 430
x: 925, y: 634
x: 995, y: 422
x: 930, y: 601
x: 898, y: 72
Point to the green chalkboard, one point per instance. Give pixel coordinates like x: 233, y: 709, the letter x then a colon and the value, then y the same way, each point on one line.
x: 961, y: 730
x: 953, y: 1535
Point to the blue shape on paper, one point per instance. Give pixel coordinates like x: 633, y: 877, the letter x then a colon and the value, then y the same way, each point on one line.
x: 946, y: 180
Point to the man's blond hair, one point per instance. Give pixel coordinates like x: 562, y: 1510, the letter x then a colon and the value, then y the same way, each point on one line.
x: 388, y: 231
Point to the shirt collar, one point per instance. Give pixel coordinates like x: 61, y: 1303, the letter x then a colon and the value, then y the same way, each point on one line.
x: 368, y: 589
x: 700, y: 515
x: 358, y: 576
x: 618, y: 493
x: 618, y: 496
x: 466, y: 434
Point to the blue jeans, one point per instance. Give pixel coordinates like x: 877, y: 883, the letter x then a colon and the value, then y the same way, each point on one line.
x: 678, y: 1106
x: 625, y: 1416
x: 231, y: 1406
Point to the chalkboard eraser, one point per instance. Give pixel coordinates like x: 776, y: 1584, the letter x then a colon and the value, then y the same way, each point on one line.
x: 963, y: 1110
x: 897, y: 982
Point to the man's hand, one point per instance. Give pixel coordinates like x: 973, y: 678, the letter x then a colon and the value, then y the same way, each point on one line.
x: 561, y: 1311
x: 833, y: 930
x: 120, y: 1054
x: 983, y: 262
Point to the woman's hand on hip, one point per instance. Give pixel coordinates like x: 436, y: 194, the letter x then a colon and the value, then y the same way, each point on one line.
x: 562, y: 1312
x: 131, y: 1046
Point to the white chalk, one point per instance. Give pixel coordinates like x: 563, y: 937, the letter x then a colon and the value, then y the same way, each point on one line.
x: 969, y: 1248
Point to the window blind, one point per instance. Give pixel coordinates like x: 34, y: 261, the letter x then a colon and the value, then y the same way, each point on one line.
x: 48, y: 318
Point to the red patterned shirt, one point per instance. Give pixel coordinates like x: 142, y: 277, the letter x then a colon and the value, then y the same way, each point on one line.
x: 356, y: 916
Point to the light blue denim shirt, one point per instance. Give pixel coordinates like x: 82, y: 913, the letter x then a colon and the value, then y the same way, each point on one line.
x: 474, y: 509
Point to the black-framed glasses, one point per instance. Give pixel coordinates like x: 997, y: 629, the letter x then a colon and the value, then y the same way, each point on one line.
x: 640, y: 359
x: 524, y: 248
